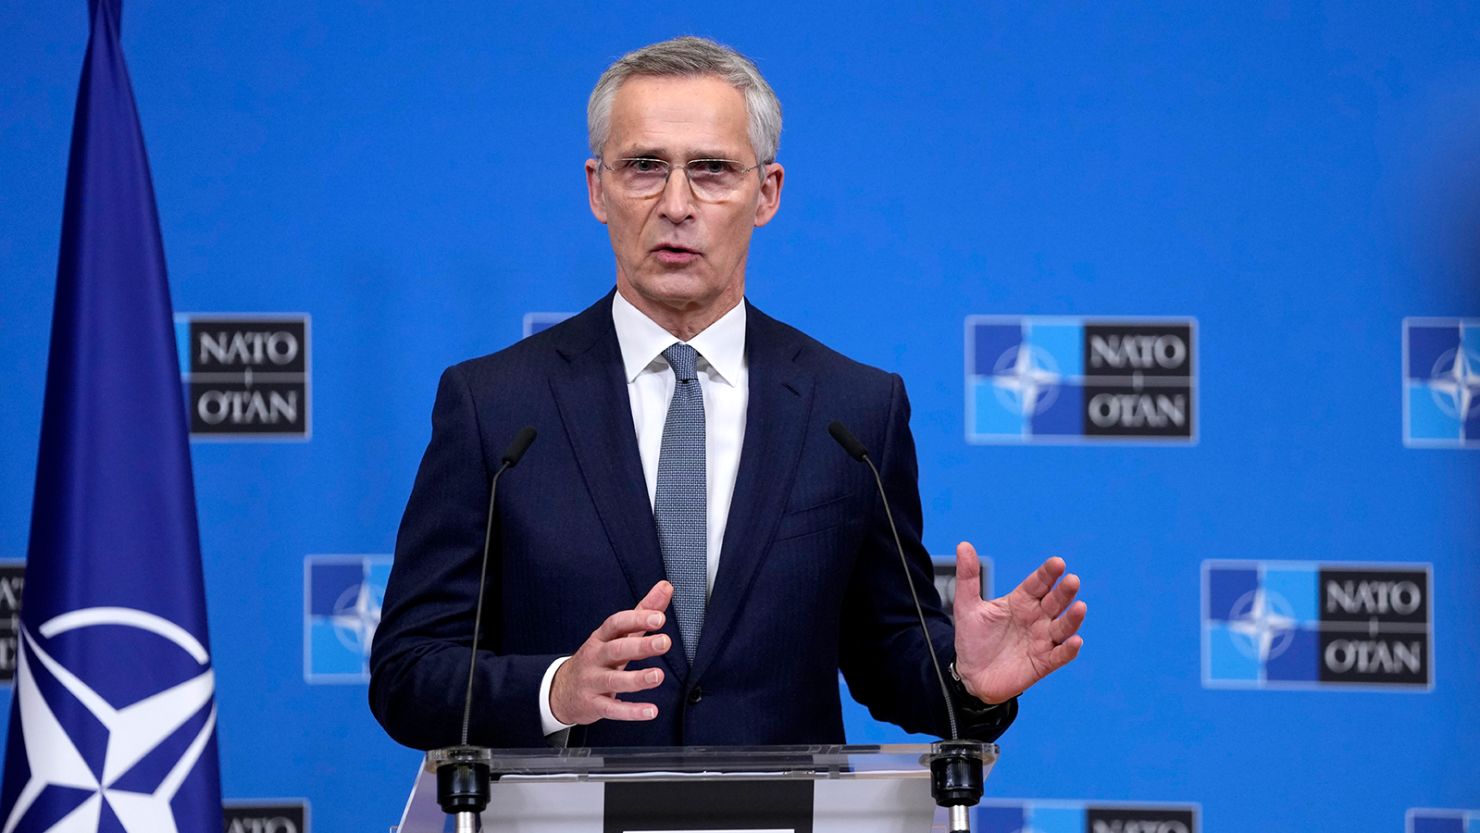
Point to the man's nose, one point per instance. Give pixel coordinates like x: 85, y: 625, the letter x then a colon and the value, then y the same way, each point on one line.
x: 676, y: 201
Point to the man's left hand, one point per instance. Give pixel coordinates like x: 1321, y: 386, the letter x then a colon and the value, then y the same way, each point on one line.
x: 1005, y: 645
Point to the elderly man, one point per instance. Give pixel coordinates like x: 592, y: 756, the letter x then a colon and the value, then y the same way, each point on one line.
x: 685, y: 556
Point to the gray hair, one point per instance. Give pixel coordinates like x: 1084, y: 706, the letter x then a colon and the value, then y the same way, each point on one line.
x: 687, y: 57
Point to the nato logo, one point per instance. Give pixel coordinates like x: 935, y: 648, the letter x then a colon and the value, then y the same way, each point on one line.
x: 1061, y: 380
x: 1298, y: 625
x: 246, y: 376
x: 288, y: 815
x: 944, y: 567
x: 342, y: 595
x: 12, y: 580
x: 1441, y: 382
x: 1424, y: 820
x: 537, y: 322
x: 1083, y: 817
x: 121, y: 747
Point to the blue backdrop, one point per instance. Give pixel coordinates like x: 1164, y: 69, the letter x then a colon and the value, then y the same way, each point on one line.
x: 1297, y: 179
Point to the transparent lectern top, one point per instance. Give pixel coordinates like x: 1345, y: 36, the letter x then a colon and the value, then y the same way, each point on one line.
x: 673, y: 763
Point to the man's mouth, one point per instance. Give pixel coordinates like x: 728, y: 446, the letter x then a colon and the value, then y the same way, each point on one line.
x: 674, y: 254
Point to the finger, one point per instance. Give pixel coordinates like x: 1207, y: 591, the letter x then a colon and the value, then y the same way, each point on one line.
x: 627, y: 622
x: 1062, y: 655
x: 1041, y: 580
x: 657, y: 598
x: 1061, y: 596
x: 650, y: 622
x: 629, y: 681
x: 1067, y: 625
x: 628, y: 648
x: 968, y: 577
x: 613, y: 709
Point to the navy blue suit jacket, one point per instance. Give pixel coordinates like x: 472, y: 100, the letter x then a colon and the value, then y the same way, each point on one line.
x: 808, y: 581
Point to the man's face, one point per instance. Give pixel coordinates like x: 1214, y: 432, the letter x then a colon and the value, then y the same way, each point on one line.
x: 674, y: 250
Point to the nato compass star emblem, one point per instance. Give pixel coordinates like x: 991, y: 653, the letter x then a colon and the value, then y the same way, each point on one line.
x: 1455, y: 383
x: 1265, y: 622
x: 356, y: 616
x: 144, y: 757
x: 1026, y: 379
x: 1441, y: 382
x: 1261, y: 624
x: 342, y: 597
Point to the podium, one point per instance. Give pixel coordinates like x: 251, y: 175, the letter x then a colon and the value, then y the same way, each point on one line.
x: 797, y: 789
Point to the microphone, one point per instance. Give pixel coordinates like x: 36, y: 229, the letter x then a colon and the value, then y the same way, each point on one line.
x: 516, y: 449
x: 857, y: 451
x: 849, y: 442
x: 462, y: 778
x: 955, y: 765
x: 510, y: 459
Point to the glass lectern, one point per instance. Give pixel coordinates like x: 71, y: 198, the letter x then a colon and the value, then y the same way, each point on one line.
x: 799, y: 789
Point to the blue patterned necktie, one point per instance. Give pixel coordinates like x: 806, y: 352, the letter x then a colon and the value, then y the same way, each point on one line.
x: 680, y: 504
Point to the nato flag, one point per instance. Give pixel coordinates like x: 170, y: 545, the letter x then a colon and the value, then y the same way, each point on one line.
x: 112, y: 727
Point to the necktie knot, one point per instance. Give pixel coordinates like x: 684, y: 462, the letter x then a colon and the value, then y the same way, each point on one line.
x: 683, y: 359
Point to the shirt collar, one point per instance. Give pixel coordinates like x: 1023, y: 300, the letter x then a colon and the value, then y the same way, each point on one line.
x: 721, y: 344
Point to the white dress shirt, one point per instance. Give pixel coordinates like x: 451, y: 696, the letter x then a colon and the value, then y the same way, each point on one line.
x: 725, y: 383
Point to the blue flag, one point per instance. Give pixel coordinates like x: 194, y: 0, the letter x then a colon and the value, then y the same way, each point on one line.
x: 112, y: 727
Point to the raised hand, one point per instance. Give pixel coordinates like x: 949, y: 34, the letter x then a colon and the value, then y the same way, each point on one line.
x: 1005, y: 645
x: 585, y: 686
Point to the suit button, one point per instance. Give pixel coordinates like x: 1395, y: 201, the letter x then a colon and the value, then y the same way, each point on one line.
x: 695, y: 695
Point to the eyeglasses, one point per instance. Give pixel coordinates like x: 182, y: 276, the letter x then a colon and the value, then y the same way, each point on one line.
x: 713, y: 180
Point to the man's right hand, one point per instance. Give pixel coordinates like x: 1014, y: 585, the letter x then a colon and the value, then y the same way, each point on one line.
x: 585, y: 686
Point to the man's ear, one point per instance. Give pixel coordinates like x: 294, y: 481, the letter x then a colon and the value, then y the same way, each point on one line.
x: 770, y: 201
x: 594, y: 189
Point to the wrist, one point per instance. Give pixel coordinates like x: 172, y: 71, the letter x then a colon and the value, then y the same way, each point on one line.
x: 961, y: 687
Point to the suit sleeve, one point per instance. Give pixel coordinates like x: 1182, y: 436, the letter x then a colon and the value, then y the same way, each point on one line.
x: 419, y: 661
x: 883, y: 654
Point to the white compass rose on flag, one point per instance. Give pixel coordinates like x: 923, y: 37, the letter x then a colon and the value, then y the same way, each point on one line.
x: 134, y: 731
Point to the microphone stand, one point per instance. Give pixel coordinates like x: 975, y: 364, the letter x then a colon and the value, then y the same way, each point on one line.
x: 464, y: 773
x: 956, y: 773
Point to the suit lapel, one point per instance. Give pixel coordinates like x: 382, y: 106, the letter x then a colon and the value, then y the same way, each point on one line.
x: 591, y: 395
x: 775, y: 425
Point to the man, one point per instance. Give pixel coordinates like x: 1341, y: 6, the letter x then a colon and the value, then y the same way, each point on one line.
x: 685, y: 556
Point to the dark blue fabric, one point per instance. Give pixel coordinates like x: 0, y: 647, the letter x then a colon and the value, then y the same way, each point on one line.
x: 808, y: 580
x: 113, y: 522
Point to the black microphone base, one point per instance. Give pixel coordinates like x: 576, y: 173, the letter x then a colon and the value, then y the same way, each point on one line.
x: 463, y: 784
x: 956, y: 776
